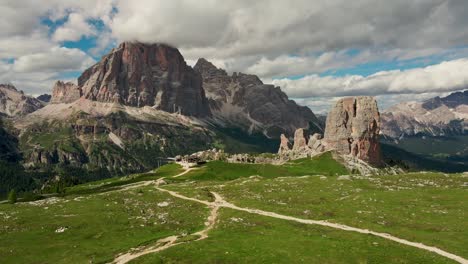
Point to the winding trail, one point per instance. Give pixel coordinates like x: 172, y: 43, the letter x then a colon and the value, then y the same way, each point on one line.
x: 220, y: 202
x: 168, y: 242
x: 185, y: 172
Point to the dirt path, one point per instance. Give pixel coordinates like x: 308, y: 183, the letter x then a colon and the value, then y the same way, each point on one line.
x: 186, y: 171
x: 171, y: 241
x: 220, y: 202
x: 158, y: 182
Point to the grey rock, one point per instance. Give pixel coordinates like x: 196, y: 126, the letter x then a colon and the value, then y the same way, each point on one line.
x: 15, y: 103
x: 65, y: 93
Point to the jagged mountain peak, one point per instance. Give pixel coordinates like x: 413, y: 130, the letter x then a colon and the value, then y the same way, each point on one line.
x: 438, y: 116
x: 244, y: 100
x: 14, y: 102
x: 139, y: 74
x: 206, y: 68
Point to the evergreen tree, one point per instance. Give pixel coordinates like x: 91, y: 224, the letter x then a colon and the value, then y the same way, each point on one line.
x: 12, y: 196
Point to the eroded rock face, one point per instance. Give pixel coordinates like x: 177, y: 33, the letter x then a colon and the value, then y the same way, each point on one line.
x: 315, y: 143
x: 353, y: 127
x: 304, y: 146
x: 65, y: 93
x: 138, y: 74
x: 243, y: 100
x: 300, y: 141
x: 284, y: 145
x: 15, y: 103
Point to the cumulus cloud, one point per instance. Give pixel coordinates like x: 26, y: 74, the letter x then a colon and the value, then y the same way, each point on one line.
x: 241, y: 27
x: 444, y: 77
x: 271, y: 38
x: 35, y: 73
x: 75, y: 27
x: 55, y: 59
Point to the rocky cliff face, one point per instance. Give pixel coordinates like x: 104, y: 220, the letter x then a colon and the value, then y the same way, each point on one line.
x: 16, y: 103
x: 438, y: 116
x: 138, y: 74
x: 243, y: 100
x: 65, y: 93
x: 353, y: 127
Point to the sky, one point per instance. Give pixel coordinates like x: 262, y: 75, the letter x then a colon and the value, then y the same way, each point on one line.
x: 316, y: 51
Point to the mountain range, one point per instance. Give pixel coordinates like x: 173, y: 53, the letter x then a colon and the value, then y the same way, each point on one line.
x: 141, y: 103
x: 446, y: 116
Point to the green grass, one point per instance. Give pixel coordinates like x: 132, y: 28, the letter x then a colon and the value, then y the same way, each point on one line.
x: 98, y: 226
x: 323, y: 164
x: 113, y: 183
x: 223, y: 171
x: 245, y: 238
x: 429, y: 208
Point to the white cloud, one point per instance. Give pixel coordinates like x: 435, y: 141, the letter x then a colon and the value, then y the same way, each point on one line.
x: 36, y: 73
x: 444, y: 77
x: 75, y: 28
x: 56, y: 59
x: 270, y: 28
x: 270, y: 38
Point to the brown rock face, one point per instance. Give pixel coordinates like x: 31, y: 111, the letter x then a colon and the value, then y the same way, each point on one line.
x: 284, y: 145
x: 65, y: 93
x: 353, y: 127
x: 138, y: 74
x: 244, y: 100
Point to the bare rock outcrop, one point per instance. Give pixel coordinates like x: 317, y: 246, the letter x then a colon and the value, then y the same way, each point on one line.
x: 316, y: 144
x: 284, y: 145
x: 138, y: 74
x: 353, y: 127
x: 65, y: 93
x: 300, y: 141
x: 304, y: 146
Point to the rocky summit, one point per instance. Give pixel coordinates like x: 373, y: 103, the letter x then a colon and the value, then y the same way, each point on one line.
x: 137, y: 74
x: 65, y: 92
x: 244, y: 100
x: 15, y: 103
x: 353, y: 127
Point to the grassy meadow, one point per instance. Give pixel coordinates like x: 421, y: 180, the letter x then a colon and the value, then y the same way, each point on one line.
x: 94, y: 222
